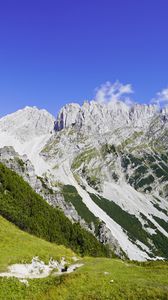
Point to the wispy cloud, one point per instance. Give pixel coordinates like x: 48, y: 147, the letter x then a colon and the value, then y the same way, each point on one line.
x: 110, y: 92
x: 113, y: 92
x: 161, y: 98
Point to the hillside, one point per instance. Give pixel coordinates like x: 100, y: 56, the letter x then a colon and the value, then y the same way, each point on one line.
x: 17, y: 246
x: 101, y: 279
x: 98, y: 279
x: 30, y: 212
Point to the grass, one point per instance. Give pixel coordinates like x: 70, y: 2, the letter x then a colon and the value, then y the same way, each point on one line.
x: 20, y: 205
x: 131, y: 281
x: 18, y: 246
x: 93, y: 282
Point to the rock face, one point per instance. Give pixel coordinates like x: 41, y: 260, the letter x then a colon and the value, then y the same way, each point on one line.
x: 67, y: 116
x: 116, y: 158
x: 94, y: 116
x: 23, y: 167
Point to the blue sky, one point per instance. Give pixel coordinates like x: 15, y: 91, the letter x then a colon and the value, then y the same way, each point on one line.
x: 57, y: 51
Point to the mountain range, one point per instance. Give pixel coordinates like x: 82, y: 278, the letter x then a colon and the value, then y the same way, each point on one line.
x: 104, y: 165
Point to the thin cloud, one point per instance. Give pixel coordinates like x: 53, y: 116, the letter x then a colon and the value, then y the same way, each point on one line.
x: 161, y: 98
x: 113, y: 92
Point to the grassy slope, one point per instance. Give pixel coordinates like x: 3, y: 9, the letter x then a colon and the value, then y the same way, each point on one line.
x: 130, y: 281
x: 18, y: 246
x: 30, y: 212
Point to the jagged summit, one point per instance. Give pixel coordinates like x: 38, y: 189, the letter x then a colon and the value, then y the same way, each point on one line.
x: 103, y: 117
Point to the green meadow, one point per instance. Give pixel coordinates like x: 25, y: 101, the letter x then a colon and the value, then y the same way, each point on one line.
x: 98, y: 279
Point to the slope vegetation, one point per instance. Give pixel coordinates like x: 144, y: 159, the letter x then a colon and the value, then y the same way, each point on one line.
x: 17, y: 246
x: 98, y: 279
x: 30, y: 212
x: 102, y: 279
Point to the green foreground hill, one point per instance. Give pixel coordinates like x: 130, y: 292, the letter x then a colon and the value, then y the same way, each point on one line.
x: 17, y: 246
x: 31, y: 213
x: 98, y: 279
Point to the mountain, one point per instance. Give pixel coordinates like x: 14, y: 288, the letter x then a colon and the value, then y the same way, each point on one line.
x: 27, y: 130
x: 104, y: 165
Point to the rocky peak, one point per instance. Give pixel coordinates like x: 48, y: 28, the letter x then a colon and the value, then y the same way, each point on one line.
x: 67, y: 116
x: 141, y: 114
x: 27, y: 123
x: 102, y: 117
x: 164, y: 111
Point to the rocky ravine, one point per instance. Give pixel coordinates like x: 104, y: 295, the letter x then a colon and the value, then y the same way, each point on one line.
x: 105, y: 165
